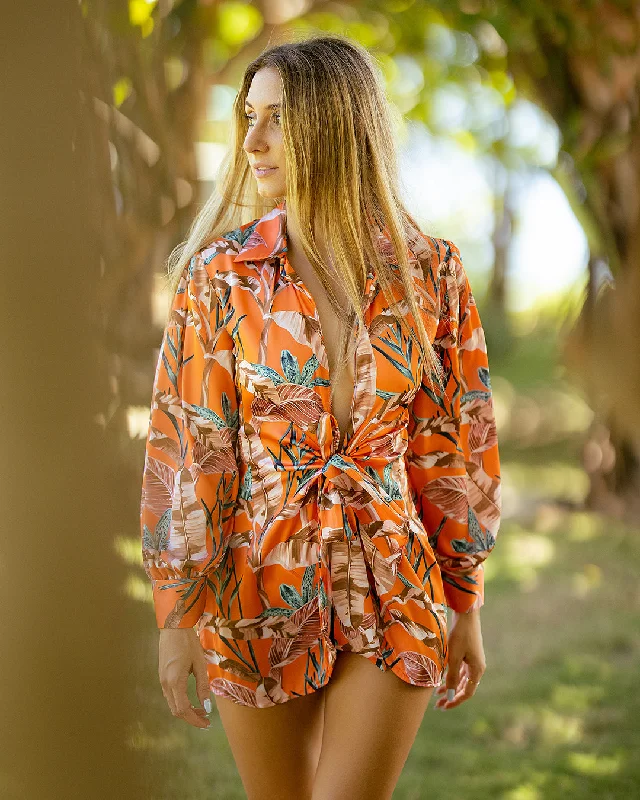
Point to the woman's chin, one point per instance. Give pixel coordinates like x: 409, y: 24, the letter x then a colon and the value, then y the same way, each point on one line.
x: 270, y: 192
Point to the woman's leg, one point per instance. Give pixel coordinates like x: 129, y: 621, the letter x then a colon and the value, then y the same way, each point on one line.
x: 276, y: 749
x: 370, y: 722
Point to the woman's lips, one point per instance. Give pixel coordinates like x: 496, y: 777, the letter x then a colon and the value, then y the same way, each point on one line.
x: 260, y: 173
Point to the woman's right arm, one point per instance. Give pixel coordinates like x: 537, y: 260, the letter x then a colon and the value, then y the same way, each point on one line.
x: 190, y: 480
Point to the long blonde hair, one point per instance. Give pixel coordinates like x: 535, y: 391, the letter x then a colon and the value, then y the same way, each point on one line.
x: 341, y: 176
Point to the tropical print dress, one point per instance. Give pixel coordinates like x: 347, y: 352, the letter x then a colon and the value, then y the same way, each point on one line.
x: 281, y: 543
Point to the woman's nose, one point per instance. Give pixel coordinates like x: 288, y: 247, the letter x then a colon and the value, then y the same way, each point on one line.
x: 253, y: 141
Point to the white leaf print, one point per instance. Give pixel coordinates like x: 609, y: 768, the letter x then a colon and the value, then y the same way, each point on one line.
x: 384, y: 570
x: 292, y: 554
x: 366, y: 375
x: 270, y: 693
x: 415, y: 629
x: 349, y: 581
x: 304, y: 329
x: 187, y: 538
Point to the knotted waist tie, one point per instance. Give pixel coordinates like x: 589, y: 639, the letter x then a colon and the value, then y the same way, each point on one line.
x: 361, y: 545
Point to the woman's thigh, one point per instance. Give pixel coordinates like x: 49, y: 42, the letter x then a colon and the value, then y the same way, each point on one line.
x: 371, y: 719
x: 276, y: 749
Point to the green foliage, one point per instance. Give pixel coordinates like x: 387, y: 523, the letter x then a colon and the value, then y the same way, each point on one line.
x: 238, y: 23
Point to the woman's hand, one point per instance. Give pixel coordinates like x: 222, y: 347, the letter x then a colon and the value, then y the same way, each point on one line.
x: 181, y: 653
x: 466, y: 663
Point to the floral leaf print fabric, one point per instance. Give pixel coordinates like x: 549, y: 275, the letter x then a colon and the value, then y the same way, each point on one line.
x: 190, y: 480
x: 452, y: 458
x: 281, y: 541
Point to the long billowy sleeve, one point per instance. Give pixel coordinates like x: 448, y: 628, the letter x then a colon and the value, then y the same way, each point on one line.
x: 190, y: 478
x: 452, y: 457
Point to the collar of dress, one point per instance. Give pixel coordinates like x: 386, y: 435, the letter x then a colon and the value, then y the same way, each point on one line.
x: 268, y: 240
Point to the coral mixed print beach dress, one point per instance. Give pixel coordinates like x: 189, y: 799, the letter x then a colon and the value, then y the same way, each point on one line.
x: 281, y: 543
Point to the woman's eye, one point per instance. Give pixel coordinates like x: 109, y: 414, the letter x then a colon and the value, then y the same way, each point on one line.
x: 250, y: 119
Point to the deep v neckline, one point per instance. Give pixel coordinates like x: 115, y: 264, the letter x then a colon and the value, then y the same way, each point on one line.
x: 349, y: 433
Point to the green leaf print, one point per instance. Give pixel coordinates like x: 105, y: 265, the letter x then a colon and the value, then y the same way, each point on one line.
x: 276, y: 612
x: 290, y: 595
x: 307, y: 583
x: 404, y: 370
x: 231, y: 417
x: 323, y: 596
x: 245, y: 490
x: 483, y: 374
x: 159, y: 539
x: 482, y: 540
x: 207, y: 413
x: 476, y: 394
x: 267, y: 372
x: 290, y: 367
x: 308, y: 370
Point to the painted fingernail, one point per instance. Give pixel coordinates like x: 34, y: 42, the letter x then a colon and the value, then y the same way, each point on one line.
x: 451, y: 693
x: 207, y: 705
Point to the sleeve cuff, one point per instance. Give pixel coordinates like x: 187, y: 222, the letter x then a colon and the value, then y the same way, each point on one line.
x: 464, y: 593
x: 179, y: 602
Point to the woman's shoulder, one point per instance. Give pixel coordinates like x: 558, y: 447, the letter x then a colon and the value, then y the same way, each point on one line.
x: 440, y: 261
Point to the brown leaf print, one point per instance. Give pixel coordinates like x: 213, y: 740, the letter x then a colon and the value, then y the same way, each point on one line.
x: 213, y: 462
x: 383, y: 569
x: 484, y: 496
x: 164, y: 444
x: 234, y: 691
x: 290, y: 403
x: 304, y: 329
x: 419, y: 631
x: 236, y: 668
x: 270, y: 692
x: 449, y: 495
x: 158, y: 485
x: 435, y: 458
x: 421, y: 670
x: 303, y: 631
x: 176, y: 614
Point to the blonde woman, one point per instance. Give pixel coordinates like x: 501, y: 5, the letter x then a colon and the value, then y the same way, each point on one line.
x: 321, y: 477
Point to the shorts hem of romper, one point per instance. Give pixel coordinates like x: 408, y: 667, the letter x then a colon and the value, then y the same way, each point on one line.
x: 314, y: 689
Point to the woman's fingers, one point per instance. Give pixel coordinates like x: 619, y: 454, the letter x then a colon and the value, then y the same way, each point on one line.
x: 170, y: 697
x: 469, y: 679
x: 199, y: 669
x: 180, y: 654
x: 461, y: 673
x: 182, y: 707
x: 448, y: 685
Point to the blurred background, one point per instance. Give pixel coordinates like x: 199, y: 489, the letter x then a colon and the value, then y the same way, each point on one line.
x: 519, y: 139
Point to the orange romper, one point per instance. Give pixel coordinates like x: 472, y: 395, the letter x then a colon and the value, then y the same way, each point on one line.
x: 281, y: 543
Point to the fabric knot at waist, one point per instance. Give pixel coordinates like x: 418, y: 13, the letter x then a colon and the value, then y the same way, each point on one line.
x: 362, y: 523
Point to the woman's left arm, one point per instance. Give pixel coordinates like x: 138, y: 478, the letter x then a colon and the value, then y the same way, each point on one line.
x: 454, y: 468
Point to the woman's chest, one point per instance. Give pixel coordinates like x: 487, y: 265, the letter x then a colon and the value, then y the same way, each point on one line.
x: 287, y: 334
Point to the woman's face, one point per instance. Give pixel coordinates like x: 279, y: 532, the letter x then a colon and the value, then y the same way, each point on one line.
x: 263, y: 142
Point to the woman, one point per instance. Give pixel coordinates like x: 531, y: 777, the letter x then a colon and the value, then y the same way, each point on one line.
x: 321, y: 476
